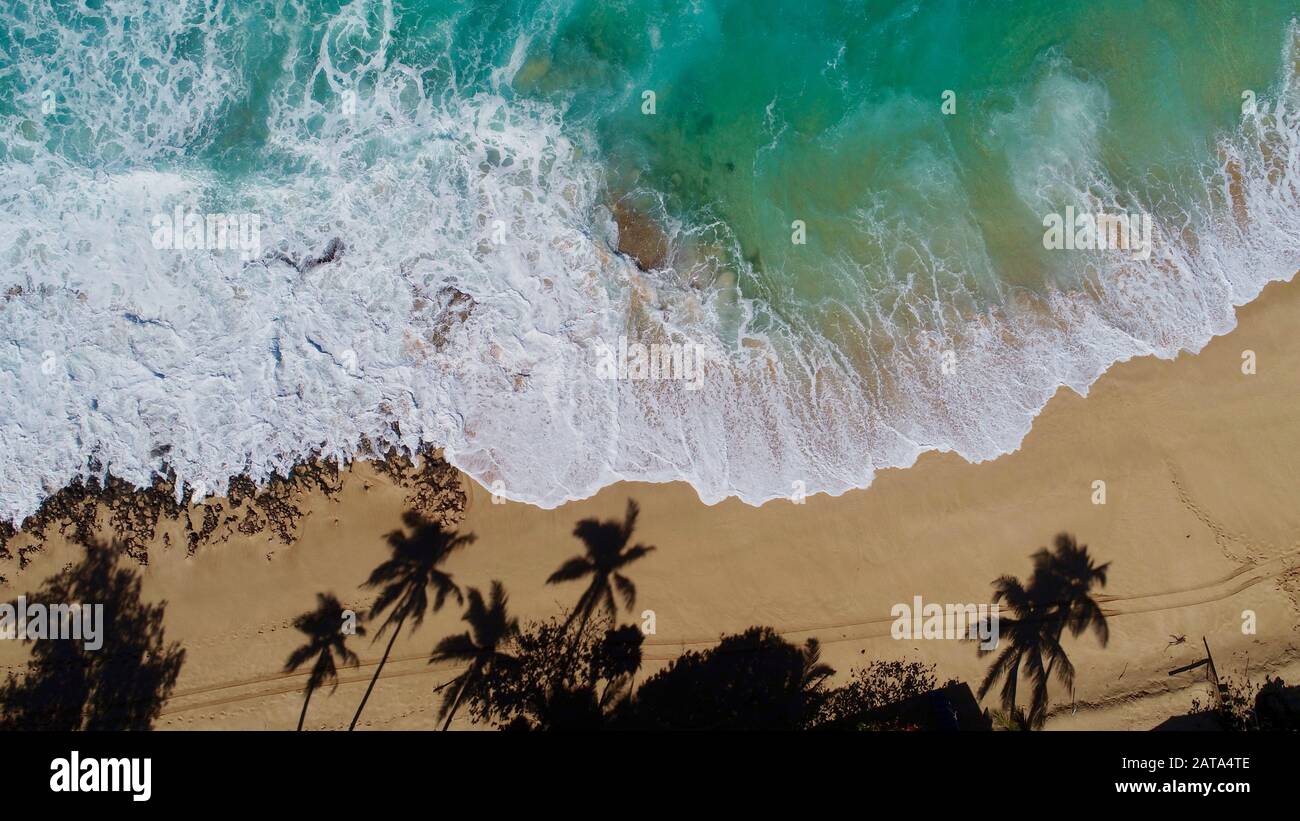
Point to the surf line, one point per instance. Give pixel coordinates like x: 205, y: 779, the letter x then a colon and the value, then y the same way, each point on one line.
x: 1086, y: 231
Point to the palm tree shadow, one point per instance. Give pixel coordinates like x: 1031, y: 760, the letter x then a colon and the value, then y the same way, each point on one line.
x: 491, y: 628
x: 326, y: 642
x: 1057, y: 598
x: 404, y: 581
x: 606, y: 554
x: 122, y: 684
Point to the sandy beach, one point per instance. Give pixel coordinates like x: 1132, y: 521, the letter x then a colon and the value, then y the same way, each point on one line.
x: 1199, y: 524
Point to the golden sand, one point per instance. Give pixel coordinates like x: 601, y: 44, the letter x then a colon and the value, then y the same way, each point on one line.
x: 1201, y: 464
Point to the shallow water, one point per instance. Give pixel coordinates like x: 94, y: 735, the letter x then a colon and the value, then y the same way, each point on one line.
x: 467, y: 157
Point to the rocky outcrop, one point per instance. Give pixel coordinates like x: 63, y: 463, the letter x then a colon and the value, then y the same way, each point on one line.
x: 640, y: 237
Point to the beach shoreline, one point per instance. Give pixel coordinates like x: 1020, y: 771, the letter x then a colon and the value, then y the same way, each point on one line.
x: 1199, y: 523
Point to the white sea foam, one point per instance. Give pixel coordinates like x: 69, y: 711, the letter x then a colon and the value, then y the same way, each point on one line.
x: 425, y: 330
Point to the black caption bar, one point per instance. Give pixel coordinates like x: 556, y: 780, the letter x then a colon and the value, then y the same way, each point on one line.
x: 187, y: 770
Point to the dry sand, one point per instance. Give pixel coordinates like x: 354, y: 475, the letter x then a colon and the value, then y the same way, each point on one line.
x: 1200, y: 524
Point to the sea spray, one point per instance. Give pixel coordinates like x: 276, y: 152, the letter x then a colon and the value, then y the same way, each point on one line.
x: 470, y: 166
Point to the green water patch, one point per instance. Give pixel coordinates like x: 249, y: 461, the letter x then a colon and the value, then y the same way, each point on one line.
x: 766, y: 112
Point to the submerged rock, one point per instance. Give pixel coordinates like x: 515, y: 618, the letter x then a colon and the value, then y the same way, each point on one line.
x: 332, y: 252
x: 640, y: 237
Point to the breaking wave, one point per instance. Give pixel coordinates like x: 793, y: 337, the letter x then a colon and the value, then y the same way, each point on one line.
x: 475, y: 276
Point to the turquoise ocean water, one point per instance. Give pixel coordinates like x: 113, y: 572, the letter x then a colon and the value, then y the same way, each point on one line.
x: 468, y: 156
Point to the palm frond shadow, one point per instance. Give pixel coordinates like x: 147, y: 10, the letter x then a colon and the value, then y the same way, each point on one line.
x: 413, y: 568
x: 1057, y: 599
x: 326, y: 643
x: 606, y: 555
x: 480, y: 648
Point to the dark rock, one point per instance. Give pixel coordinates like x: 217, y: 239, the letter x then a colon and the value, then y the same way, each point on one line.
x: 640, y: 238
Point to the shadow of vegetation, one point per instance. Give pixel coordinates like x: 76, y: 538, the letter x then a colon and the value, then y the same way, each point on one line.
x: 555, y: 675
x: 606, y: 555
x: 1057, y: 599
x: 405, y: 579
x: 753, y: 680
x: 576, y: 672
x: 123, y: 684
x: 326, y: 646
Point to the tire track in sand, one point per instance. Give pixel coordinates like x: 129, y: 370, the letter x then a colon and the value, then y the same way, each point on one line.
x: 1242, y: 578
